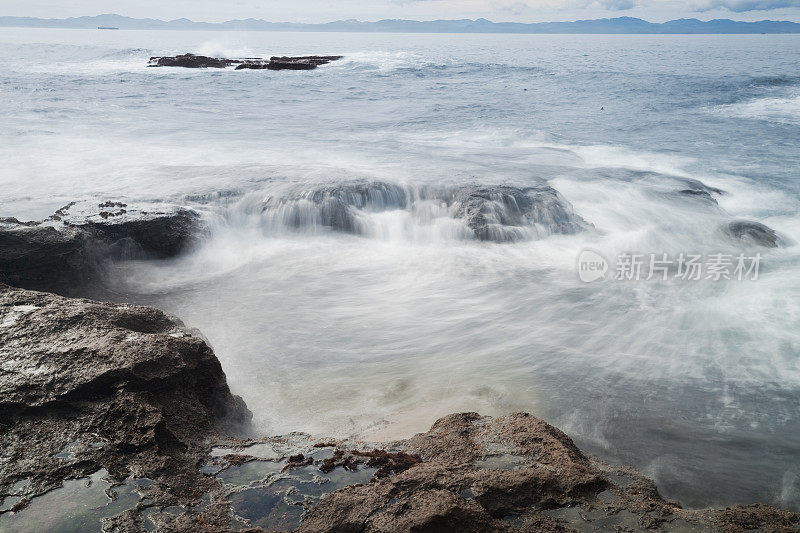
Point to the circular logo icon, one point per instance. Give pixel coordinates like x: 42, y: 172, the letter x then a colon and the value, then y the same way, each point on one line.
x: 591, y: 266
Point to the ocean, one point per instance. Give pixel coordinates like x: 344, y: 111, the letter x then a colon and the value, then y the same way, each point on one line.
x: 377, y: 331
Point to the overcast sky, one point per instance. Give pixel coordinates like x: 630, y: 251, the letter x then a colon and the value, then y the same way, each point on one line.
x: 328, y: 10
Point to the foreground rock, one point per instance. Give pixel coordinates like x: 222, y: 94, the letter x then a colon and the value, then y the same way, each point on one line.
x: 517, y: 473
x: 468, y: 474
x: 129, y: 398
x: 273, y: 63
x: 68, y: 249
x: 88, y: 386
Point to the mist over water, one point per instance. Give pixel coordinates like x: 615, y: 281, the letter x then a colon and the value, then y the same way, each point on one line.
x: 377, y: 327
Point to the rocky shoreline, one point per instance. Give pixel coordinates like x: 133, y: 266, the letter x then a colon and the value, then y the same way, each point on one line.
x: 131, y: 393
x: 126, y: 407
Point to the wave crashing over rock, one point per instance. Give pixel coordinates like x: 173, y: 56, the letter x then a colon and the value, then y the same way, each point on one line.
x: 496, y: 213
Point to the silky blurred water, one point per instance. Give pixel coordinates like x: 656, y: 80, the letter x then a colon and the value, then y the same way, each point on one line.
x: 377, y: 334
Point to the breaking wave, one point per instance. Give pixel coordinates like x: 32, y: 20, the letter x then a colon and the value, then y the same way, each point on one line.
x: 774, y: 109
x: 432, y: 213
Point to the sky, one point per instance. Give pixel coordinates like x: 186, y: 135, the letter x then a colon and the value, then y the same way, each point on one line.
x: 329, y: 10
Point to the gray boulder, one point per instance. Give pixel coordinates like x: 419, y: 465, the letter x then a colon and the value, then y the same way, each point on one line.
x: 158, y: 230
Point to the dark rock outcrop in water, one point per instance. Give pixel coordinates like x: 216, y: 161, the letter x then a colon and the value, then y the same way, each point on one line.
x: 190, y: 61
x: 86, y: 386
x: 68, y: 248
x: 335, y: 205
x: 752, y: 233
x: 274, y: 63
x: 288, y: 63
x: 44, y: 257
x: 503, y: 214
x: 697, y: 187
x: 159, y: 231
x: 698, y: 190
x: 490, y: 213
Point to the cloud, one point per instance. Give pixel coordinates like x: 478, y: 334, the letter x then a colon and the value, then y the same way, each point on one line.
x: 740, y: 6
x: 515, y: 8
x: 617, y: 5
x: 519, y: 8
x: 406, y: 2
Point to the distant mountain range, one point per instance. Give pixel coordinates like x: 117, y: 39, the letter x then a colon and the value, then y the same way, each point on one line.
x: 613, y: 25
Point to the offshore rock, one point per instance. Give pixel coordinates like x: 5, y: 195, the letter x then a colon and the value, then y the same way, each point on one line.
x: 506, y: 214
x: 86, y: 386
x: 190, y: 61
x: 68, y: 249
x: 274, y: 63
x: 335, y: 206
x: 299, y: 63
x: 489, y: 213
x: 753, y: 233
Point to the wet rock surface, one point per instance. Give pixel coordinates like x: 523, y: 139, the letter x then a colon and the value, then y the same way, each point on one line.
x: 68, y: 249
x: 505, y: 214
x: 496, y: 213
x: 254, y: 63
x: 158, y: 230
x: 752, y: 232
x: 88, y: 386
x: 190, y: 61
x: 517, y: 473
x: 335, y: 206
x: 45, y: 257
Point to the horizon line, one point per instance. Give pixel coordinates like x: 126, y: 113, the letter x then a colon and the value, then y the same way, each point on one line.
x: 28, y: 21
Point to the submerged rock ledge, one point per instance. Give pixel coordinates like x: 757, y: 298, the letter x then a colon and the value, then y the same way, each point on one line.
x: 130, y: 395
x: 493, y: 213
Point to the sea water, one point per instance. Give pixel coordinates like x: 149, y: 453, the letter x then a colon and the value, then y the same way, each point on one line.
x: 375, y: 333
